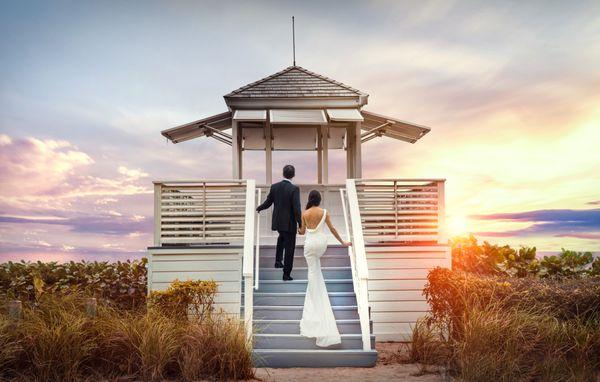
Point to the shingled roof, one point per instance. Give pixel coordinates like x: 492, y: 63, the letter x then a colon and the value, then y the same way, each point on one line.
x: 295, y: 82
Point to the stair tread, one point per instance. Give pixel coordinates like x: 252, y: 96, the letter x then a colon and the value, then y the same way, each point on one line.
x: 323, y: 351
x: 351, y: 335
x: 339, y: 321
x: 294, y: 294
x: 298, y: 281
x: 303, y: 268
x: 299, y: 307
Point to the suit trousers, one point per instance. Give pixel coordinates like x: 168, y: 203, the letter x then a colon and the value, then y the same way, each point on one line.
x: 286, y: 243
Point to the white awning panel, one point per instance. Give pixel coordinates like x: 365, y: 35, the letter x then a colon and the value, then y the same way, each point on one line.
x: 198, y: 128
x: 294, y: 138
x: 345, y: 115
x: 253, y: 138
x: 250, y: 115
x: 298, y: 117
x: 377, y: 125
x: 336, y: 138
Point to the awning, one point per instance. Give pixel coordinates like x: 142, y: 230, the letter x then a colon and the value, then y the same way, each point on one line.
x: 344, y: 115
x: 250, y: 115
x: 297, y: 117
x: 199, y: 128
x: 376, y: 125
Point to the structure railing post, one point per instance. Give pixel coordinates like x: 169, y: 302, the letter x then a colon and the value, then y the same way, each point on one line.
x: 248, y: 258
x: 362, y: 268
x: 157, y: 213
x: 441, y: 208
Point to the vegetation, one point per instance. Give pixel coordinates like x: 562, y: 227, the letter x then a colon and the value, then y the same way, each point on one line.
x: 57, y: 341
x: 491, y: 259
x: 121, y: 284
x: 503, y: 328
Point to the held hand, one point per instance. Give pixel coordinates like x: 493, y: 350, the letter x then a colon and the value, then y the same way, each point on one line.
x: 347, y: 244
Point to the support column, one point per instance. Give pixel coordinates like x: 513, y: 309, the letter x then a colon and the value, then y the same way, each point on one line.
x: 357, y: 151
x: 319, y: 155
x: 236, y: 150
x: 350, y: 151
x: 325, y: 135
x: 268, y: 152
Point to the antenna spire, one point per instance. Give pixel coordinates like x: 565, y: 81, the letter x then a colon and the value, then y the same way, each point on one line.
x: 293, y: 41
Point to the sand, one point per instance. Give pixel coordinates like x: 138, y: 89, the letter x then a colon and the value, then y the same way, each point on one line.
x: 387, y: 369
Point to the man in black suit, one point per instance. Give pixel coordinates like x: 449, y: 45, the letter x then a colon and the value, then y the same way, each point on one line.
x: 286, y: 218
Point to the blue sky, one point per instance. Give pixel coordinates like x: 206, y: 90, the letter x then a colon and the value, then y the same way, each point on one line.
x: 510, y: 90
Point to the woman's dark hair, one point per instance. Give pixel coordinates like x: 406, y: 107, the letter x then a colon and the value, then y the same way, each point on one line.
x: 314, y: 199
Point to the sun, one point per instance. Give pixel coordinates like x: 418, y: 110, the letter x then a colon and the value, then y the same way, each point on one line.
x: 457, y: 225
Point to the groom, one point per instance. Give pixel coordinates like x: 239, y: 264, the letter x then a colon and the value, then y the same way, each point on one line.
x: 286, y: 218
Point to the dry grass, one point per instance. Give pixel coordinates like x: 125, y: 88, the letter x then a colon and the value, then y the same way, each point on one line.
x: 56, y: 341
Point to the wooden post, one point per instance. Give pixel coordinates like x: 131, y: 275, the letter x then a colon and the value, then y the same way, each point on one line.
x: 325, y: 134
x: 357, y: 151
x: 157, y: 213
x: 236, y: 152
x: 350, y: 143
x: 268, y: 152
x: 15, y: 310
x: 441, y: 206
x: 91, y: 307
x: 319, y: 155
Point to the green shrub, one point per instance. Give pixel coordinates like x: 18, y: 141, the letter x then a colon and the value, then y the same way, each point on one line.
x: 185, y: 298
x: 122, y: 283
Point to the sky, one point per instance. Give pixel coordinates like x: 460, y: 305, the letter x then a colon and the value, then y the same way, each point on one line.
x: 510, y: 90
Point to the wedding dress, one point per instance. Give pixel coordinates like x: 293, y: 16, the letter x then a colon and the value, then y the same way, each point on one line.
x: 317, y: 316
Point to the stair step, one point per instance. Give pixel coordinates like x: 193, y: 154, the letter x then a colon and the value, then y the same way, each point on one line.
x: 269, y: 250
x: 302, y: 273
x: 296, y: 341
x: 295, y: 312
x: 268, y: 260
x: 297, y: 298
x: 314, y: 358
x: 274, y: 326
x: 299, y: 285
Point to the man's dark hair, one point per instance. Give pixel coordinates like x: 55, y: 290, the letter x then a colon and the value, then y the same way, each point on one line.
x: 289, y: 171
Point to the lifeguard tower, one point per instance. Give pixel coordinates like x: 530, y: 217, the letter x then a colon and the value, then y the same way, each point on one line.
x: 208, y: 229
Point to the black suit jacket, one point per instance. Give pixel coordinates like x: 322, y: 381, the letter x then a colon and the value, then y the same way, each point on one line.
x: 286, y: 213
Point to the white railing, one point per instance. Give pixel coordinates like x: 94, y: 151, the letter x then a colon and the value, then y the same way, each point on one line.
x: 199, y: 212
x: 402, y: 210
x: 248, y: 256
x: 358, y: 258
x: 257, y: 241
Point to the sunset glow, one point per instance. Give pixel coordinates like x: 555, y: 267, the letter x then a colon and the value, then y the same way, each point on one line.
x: 510, y: 93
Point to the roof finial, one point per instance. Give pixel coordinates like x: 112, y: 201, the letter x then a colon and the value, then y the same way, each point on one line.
x: 293, y: 41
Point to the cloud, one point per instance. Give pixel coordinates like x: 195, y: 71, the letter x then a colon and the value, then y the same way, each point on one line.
x: 582, y: 224
x: 131, y: 174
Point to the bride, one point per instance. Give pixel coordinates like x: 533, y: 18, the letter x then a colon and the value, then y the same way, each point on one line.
x: 317, y: 316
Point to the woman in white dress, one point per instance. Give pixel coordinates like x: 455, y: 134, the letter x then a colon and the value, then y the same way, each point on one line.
x: 317, y: 316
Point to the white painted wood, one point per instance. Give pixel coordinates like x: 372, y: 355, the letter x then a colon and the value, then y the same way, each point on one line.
x: 250, y: 115
x: 223, y: 265
x: 268, y: 152
x: 357, y: 151
x: 320, y: 154
x: 344, y: 115
x: 297, y: 116
x: 157, y: 213
x: 325, y: 140
x: 236, y: 152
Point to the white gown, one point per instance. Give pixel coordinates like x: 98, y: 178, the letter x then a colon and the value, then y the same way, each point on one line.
x: 317, y: 316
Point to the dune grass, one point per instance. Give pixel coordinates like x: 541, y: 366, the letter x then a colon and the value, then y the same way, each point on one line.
x: 57, y: 341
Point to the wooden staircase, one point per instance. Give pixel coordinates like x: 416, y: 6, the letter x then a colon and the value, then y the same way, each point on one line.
x: 278, y: 309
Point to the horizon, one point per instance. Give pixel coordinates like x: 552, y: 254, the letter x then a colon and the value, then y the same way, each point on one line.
x: 509, y: 92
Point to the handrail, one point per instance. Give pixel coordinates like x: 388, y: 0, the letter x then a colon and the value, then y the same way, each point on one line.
x: 248, y: 258
x: 358, y: 259
x: 257, y: 242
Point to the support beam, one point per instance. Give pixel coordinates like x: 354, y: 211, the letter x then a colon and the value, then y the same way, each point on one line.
x: 268, y: 151
x: 319, y: 155
x: 357, y: 152
x: 236, y: 150
x: 350, y: 152
x: 325, y: 132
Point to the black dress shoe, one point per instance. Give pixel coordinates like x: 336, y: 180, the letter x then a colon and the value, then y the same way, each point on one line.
x: 287, y: 278
x: 278, y: 264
